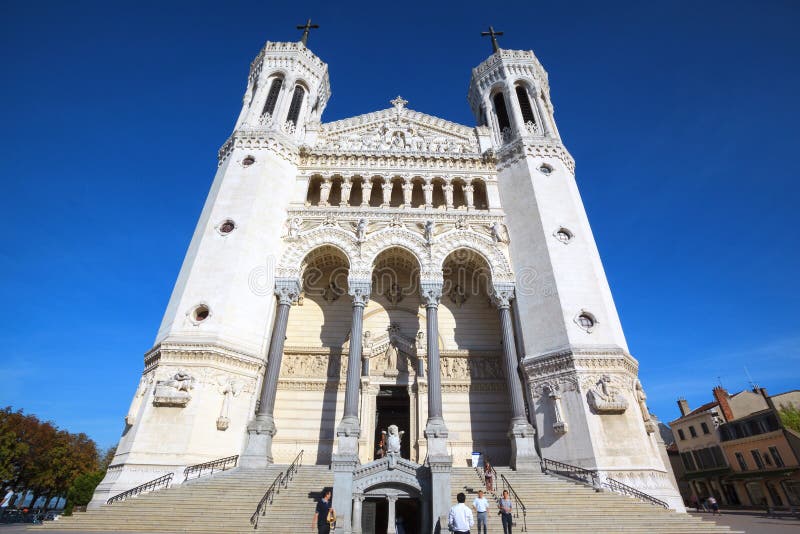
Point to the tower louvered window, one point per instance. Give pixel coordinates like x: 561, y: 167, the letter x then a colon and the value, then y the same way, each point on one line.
x: 525, y: 105
x: 297, y: 103
x: 502, y: 112
x: 272, y: 96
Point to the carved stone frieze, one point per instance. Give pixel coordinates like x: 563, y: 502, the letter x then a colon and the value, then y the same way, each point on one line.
x: 604, y: 395
x: 201, y: 354
x: 468, y: 368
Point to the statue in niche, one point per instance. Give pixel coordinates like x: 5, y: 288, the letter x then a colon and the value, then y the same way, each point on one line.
x: 394, y: 295
x: 392, y: 440
x: 420, y: 340
x: 605, y: 399
x: 391, y: 360
x: 361, y: 230
x: 331, y: 292
x: 458, y: 295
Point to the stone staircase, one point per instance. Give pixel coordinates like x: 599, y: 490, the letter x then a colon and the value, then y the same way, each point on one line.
x: 561, y: 506
x: 222, y: 503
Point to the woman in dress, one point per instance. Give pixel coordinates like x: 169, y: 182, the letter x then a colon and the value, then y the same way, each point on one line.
x: 488, y: 475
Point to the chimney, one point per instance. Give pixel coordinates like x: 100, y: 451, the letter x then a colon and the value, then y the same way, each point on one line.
x: 683, y: 406
x: 721, y: 395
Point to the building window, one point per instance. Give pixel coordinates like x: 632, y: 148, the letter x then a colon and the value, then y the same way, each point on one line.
x: 757, y: 459
x: 681, y: 434
x: 742, y: 462
x: 297, y: 103
x: 776, y: 456
x: 525, y: 105
x: 704, y: 427
x: 688, y: 461
x: 502, y: 112
x: 719, y: 458
x: 692, y: 431
x: 272, y: 96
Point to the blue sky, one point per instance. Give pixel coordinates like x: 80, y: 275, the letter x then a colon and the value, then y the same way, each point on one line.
x: 682, y: 117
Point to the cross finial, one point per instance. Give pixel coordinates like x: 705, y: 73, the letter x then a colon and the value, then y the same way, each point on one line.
x: 308, y: 26
x: 494, y: 35
x: 399, y: 102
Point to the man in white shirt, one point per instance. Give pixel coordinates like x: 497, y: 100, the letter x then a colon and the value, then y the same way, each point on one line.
x: 481, y: 506
x: 460, y: 519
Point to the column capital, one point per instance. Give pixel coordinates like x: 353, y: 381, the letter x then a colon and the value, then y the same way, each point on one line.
x: 502, y: 295
x: 360, y: 291
x: 431, y: 292
x: 287, y: 290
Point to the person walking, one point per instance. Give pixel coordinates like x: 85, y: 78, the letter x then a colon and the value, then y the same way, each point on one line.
x: 506, y: 507
x: 712, y: 503
x: 459, y: 519
x: 488, y: 475
x: 322, y: 512
x: 481, y: 506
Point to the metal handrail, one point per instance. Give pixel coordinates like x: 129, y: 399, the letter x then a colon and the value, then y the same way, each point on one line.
x: 518, y: 504
x: 619, y: 487
x: 269, y: 495
x: 155, y: 484
x: 596, y: 480
x: 221, y: 464
x: 282, y: 480
x: 294, y: 467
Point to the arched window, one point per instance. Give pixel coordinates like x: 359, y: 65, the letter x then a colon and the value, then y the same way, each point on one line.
x: 312, y: 198
x: 525, y: 105
x: 376, y: 196
x: 297, y: 103
x: 396, y: 199
x: 356, y: 193
x: 417, y: 193
x: 459, y: 197
x: 501, y: 111
x: 335, y: 196
x: 438, y: 194
x: 479, y: 195
x: 272, y: 96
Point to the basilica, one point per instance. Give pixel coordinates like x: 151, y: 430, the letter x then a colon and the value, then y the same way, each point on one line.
x: 392, y: 277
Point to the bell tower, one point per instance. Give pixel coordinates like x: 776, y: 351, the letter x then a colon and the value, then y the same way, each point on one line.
x: 581, y: 381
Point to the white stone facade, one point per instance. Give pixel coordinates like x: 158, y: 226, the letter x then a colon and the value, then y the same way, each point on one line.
x: 381, y: 224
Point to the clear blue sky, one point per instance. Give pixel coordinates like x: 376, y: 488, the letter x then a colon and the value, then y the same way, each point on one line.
x: 683, y: 118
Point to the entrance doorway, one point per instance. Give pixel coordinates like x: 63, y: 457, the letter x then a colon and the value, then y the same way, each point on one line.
x: 392, y: 407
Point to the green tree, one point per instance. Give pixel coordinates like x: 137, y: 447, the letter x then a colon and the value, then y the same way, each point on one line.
x: 82, y: 489
x: 790, y: 417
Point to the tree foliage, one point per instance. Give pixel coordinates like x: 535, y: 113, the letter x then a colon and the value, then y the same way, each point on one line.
x: 37, y: 456
x: 790, y: 417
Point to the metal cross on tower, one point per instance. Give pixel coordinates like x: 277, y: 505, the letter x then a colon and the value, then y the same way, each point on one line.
x: 308, y: 26
x: 494, y: 35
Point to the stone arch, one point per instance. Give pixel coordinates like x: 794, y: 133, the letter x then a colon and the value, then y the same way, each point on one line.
x: 499, y: 265
x: 291, y: 264
x: 395, y: 237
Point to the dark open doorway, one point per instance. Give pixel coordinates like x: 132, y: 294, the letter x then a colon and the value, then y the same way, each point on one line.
x: 393, y: 408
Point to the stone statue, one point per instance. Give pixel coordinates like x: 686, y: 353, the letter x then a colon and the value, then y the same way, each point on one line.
x: 429, y: 226
x: 641, y: 398
x: 392, y: 440
x: 294, y: 227
x: 498, y: 232
x: 391, y: 360
x: 331, y: 292
x: 361, y: 230
x: 605, y: 399
x: 174, y: 391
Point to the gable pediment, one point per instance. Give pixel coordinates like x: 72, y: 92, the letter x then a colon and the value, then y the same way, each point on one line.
x: 397, y: 130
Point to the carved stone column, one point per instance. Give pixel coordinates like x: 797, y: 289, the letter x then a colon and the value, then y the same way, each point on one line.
x: 261, y: 430
x: 408, y: 189
x: 345, y: 460
x: 517, y: 122
x: 521, y: 433
x: 390, y: 523
x: 347, y: 186
x: 358, y: 503
x: 448, y: 195
x: 438, y: 459
x: 387, y: 193
x: 469, y: 192
x: 366, y: 192
x: 543, y: 115
x: 324, y: 191
x: 427, y: 189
